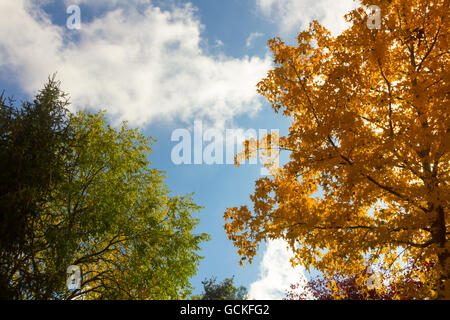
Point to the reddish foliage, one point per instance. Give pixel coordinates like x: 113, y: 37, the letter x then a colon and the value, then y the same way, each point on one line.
x: 319, y: 288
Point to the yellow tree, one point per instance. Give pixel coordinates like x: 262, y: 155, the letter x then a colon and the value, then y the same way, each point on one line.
x: 367, y: 182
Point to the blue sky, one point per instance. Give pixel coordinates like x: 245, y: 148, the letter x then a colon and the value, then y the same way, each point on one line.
x: 161, y: 65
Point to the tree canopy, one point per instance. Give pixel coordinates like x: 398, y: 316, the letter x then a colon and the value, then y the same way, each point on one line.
x: 33, y: 141
x: 225, y: 290
x: 378, y: 286
x: 110, y: 214
x: 367, y: 182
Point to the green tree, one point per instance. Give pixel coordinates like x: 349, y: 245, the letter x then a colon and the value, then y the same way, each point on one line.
x: 33, y: 140
x: 112, y: 216
x: 225, y: 290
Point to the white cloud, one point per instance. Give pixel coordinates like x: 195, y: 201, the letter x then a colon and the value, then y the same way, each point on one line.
x: 139, y: 65
x: 219, y: 43
x: 252, y: 37
x: 295, y: 15
x: 276, y: 273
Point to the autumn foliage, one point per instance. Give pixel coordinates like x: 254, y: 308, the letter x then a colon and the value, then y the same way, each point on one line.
x: 352, y: 288
x: 368, y: 177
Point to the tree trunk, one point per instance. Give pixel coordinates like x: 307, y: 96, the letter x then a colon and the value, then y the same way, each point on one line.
x: 443, y: 256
